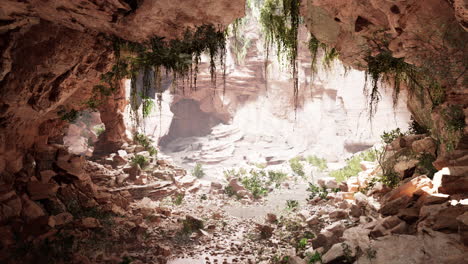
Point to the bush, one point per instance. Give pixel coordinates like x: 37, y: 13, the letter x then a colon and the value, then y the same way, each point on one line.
x: 320, y: 163
x: 198, y: 171
x: 277, y: 177
x: 99, y: 129
x: 296, y: 166
x: 425, y: 165
x: 140, y: 160
x: 389, y: 137
x: 417, y: 129
x: 255, y: 183
x: 146, y: 142
x: 455, y: 118
x: 316, y: 191
x: 353, y: 165
x: 292, y: 205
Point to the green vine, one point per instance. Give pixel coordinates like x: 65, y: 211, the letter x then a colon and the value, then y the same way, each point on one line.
x: 280, y: 20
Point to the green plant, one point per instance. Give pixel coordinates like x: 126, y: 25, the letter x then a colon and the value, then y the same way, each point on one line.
x: 389, y: 137
x: 425, y: 165
x: 147, y: 105
x: 203, y: 197
x: 255, y: 183
x: 302, y: 243
x: 316, y: 191
x: 69, y: 116
x: 260, y: 165
x: 347, y: 253
x: 280, y: 22
x: 316, y: 257
x: 191, y: 225
x: 179, y: 199
x: 353, y: 165
x: 371, y: 253
x: 99, y: 129
x: 198, y: 171
x: 277, y: 177
x: 292, y: 205
x: 296, y: 166
x: 140, y: 160
x: 455, y: 118
x: 320, y: 163
x: 417, y: 129
x: 229, y: 190
x: 146, y: 142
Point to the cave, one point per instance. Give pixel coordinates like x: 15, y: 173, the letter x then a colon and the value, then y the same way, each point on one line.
x: 258, y: 131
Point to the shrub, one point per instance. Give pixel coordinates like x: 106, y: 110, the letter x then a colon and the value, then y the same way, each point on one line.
x: 255, y: 183
x: 140, y: 160
x: 277, y: 177
x: 417, y: 129
x: 389, y: 137
x: 296, y: 166
x: 425, y: 165
x: 455, y: 118
x: 316, y: 257
x: 316, y: 191
x: 99, y: 129
x: 69, y: 116
x: 292, y: 205
x: 198, y: 171
x: 179, y: 198
x: 145, y: 142
x: 320, y: 163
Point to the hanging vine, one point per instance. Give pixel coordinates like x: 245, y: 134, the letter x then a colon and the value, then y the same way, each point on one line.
x: 280, y: 20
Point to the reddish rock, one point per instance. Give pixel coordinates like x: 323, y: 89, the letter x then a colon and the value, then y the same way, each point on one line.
x: 39, y: 191
x: 426, y: 145
x: 90, y: 222
x: 31, y: 210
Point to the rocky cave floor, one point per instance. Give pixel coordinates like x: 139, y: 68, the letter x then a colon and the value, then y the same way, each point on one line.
x: 106, y: 211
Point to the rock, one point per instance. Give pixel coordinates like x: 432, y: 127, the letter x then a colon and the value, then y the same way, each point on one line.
x: 134, y: 172
x: 392, y: 207
x: 271, y: 218
x: 463, y: 227
x: 329, y: 236
x: 8, y: 237
x: 446, y: 219
x: 73, y: 164
x: 186, y: 181
x: 10, y: 203
x: 336, y: 228
x: 39, y: 191
x: 426, y: 145
x: 62, y: 219
x: 304, y: 214
x: 122, y: 153
x: 339, y: 253
x: 312, y: 221
x: 428, y: 247
x: 355, y: 211
x: 404, y: 165
x: 343, y: 186
x: 327, y: 182
x: 296, y: 260
x: 90, y: 222
x: 30, y: 210
x: 46, y: 175
x: 357, y: 237
x: 453, y: 184
x: 409, y: 215
x: 409, y: 187
x: 435, y: 198
x: 216, y: 186
x: 163, y: 251
x: 236, y: 186
x: 407, y: 141
x: 361, y: 199
x: 339, y: 214
x: 119, y: 160
x: 266, y: 231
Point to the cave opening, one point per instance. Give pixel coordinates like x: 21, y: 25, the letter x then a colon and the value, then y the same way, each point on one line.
x: 233, y: 131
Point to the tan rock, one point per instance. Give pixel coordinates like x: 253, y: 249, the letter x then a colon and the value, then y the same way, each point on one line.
x: 271, y: 218
x: 426, y: 145
x: 409, y: 187
x: 236, y: 186
x: 337, y: 252
x: 403, y: 165
x: 393, y: 206
x: 454, y: 184
x: 327, y: 182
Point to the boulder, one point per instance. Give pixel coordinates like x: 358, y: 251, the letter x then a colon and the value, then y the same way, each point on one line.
x: 339, y: 214
x: 39, y: 190
x: 409, y: 187
x: 312, y: 221
x: 454, y: 184
x: 425, y: 145
x: 463, y: 227
x: 119, y: 160
x: 235, y: 185
x: 63, y: 219
x: 133, y: 172
x: 10, y: 203
x: 271, y: 218
x: 46, y: 175
x: 403, y: 165
x: 90, y: 222
x: 186, y: 181
x: 392, y: 207
x: 30, y: 210
x: 327, y: 182
x: 339, y: 253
